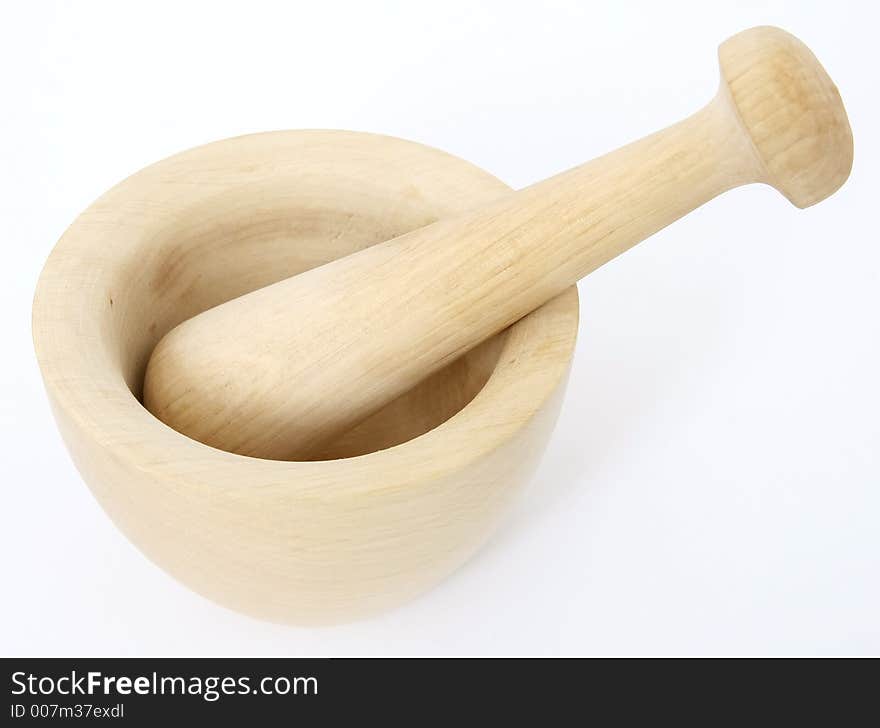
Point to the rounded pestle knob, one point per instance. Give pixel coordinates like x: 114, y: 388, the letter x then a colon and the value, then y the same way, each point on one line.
x: 279, y: 371
x: 791, y: 110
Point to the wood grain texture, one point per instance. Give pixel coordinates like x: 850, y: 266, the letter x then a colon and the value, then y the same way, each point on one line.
x: 280, y: 372
x: 390, y: 438
x: 412, y: 492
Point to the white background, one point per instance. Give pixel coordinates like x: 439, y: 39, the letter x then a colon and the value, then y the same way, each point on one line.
x: 713, y: 485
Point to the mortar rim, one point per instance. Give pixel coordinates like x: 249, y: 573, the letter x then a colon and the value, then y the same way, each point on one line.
x: 65, y: 392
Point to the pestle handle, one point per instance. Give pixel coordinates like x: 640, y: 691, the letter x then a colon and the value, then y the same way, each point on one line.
x: 278, y: 371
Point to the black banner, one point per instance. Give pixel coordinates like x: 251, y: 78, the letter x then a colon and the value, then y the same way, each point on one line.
x: 267, y: 691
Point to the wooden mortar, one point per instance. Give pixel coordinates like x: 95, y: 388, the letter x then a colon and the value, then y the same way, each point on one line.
x: 408, y: 495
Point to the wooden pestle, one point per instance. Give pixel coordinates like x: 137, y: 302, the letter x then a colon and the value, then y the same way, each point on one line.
x: 280, y: 370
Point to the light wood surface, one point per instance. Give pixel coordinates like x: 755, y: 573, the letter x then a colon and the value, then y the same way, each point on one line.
x: 280, y: 372
x: 392, y: 439
x: 415, y: 489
